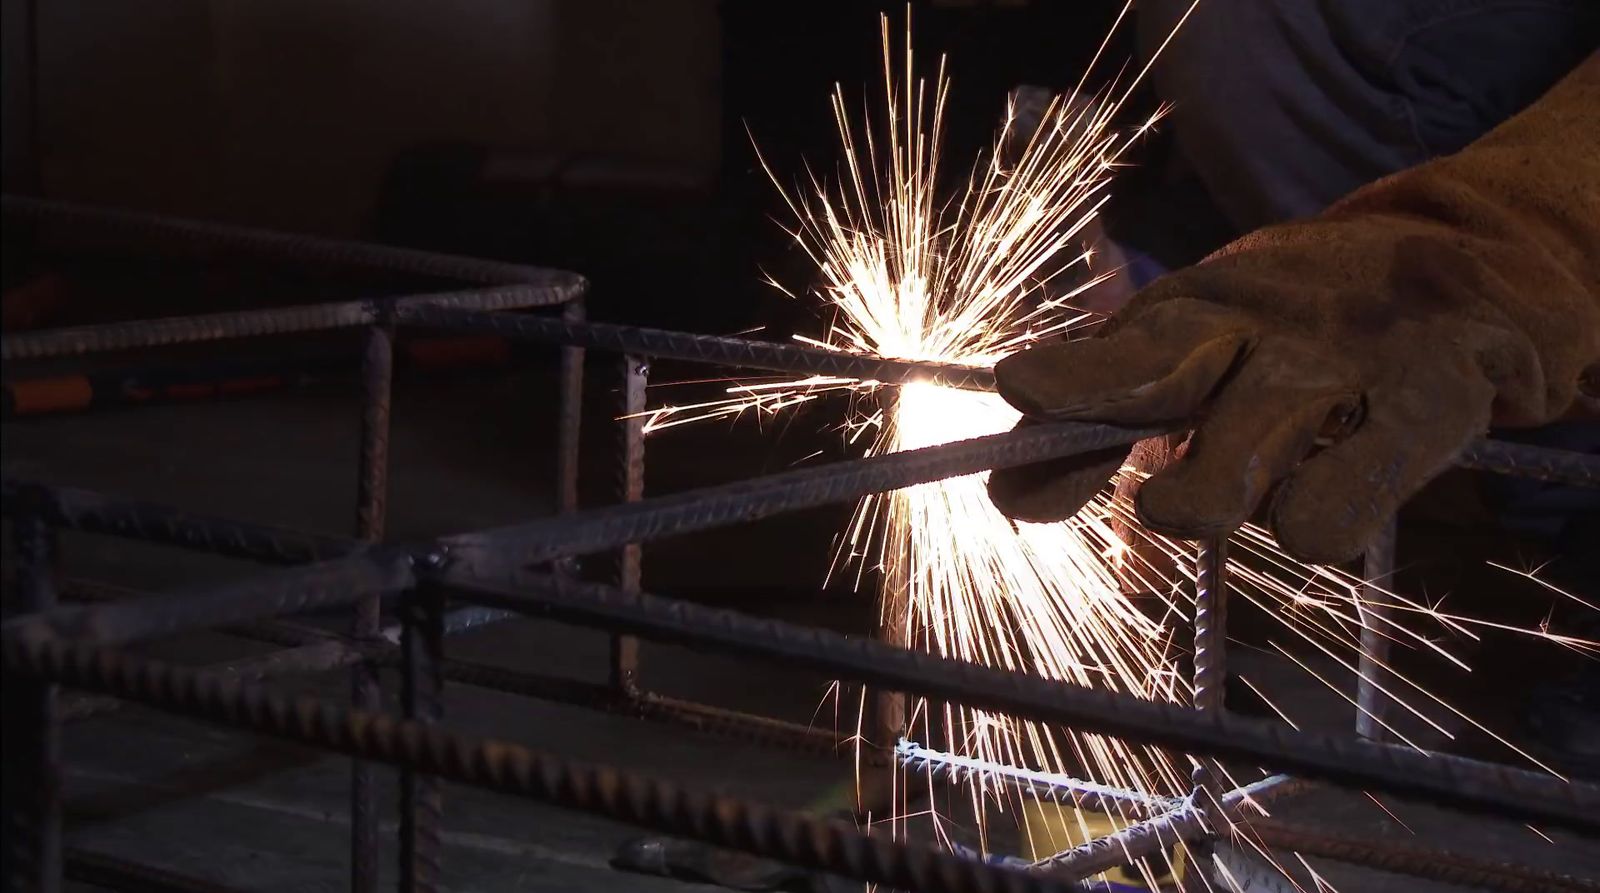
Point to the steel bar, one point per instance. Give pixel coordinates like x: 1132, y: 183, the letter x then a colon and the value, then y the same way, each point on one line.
x: 630, y: 569
x: 718, y: 350
x: 570, y: 418
x: 1400, y: 856
x: 32, y: 732
x: 1186, y: 824
x: 313, y: 657
x: 832, y: 847
x: 1047, y: 786
x: 91, y: 512
x: 1373, y: 602
x: 111, y: 873
x: 1450, y: 780
x: 372, y: 500
x: 335, y: 583
x: 1533, y: 462
x: 422, y: 698
x: 146, y: 333
x: 511, y: 549
x: 141, y: 228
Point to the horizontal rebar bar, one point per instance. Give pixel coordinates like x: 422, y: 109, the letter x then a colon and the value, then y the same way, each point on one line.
x: 508, y: 549
x: 833, y: 847
x: 138, y: 228
x: 716, y: 349
x: 293, y: 591
x: 1451, y: 780
x: 1050, y: 786
x: 1403, y: 856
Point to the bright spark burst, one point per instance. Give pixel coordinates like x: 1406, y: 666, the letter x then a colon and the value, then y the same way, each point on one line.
x: 916, y: 274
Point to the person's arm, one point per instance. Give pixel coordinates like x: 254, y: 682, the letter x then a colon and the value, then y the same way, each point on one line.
x: 1406, y: 318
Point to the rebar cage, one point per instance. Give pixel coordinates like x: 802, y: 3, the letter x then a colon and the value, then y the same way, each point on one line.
x: 450, y: 584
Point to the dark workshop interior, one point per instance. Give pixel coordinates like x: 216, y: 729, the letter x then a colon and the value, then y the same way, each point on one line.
x: 613, y: 140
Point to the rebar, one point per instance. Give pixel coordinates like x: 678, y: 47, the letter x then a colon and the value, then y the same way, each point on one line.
x: 1451, y: 780
x: 110, y: 873
x: 832, y: 847
x: 372, y: 499
x: 718, y: 350
x: 1396, y: 854
x: 32, y: 733
x: 422, y: 698
x: 142, y: 228
x: 1048, y: 786
x: 1188, y: 823
x: 331, y: 584
x: 90, y: 512
x: 630, y: 487
x: 1373, y: 602
x: 506, y: 550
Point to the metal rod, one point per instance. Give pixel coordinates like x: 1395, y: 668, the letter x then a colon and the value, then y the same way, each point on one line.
x: 422, y: 697
x: 833, y: 847
x: 1185, y: 824
x: 32, y: 733
x: 510, y: 550
x: 1446, y: 779
x: 1373, y: 603
x: 140, y: 229
x: 90, y: 512
x: 332, y: 584
x: 372, y: 498
x: 110, y: 873
x: 1401, y: 856
x: 714, y: 349
x: 1047, y: 786
x: 625, y: 649
x: 1210, y: 649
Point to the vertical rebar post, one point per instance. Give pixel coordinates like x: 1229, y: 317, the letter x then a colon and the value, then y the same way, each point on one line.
x: 625, y: 649
x: 1374, y: 600
x: 372, y: 498
x: 422, y: 699
x: 1210, y: 644
x: 33, y: 733
x: 571, y: 409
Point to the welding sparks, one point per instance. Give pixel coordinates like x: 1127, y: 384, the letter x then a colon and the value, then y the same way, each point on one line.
x: 915, y: 274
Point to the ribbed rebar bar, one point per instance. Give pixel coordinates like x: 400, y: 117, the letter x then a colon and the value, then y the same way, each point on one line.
x: 1397, y: 855
x: 143, y: 228
x: 743, y: 353
x: 1446, y: 779
x: 372, y: 509
x: 110, y: 873
x: 297, y: 590
x: 835, y: 848
x: 508, y: 549
x: 630, y: 489
x: 1187, y: 823
x: 1048, y: 786
x: 422, y: 698
x: 1374, y: 603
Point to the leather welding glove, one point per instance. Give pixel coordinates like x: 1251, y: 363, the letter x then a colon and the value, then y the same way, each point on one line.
x: 1402, y: 323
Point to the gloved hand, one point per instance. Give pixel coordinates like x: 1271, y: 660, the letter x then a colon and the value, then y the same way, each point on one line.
x: 1401, y: 323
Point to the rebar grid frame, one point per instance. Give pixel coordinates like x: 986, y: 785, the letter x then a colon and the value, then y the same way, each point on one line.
x: 527, y: 569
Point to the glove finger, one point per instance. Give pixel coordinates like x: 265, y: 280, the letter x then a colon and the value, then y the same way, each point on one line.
x: 1159, y: 367
x: 1259, y: 428
x: 1054, y: 490
x: 1335, y: 503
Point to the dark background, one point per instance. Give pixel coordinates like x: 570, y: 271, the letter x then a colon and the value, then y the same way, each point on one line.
x: 604, y: 136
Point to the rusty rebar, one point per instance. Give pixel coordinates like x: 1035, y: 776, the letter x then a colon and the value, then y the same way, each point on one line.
x: 833, y: 847
x: 1451, y: 780
x: 32, y: 731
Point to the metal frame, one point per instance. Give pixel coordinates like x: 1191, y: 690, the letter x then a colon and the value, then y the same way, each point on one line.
x: 529, y: 569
